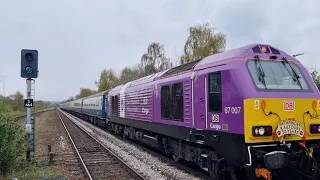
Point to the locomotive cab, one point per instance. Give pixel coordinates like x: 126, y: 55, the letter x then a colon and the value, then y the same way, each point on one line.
x: 281, y: 121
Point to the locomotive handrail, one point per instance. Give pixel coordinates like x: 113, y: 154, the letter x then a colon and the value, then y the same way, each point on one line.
x: 249, y: 152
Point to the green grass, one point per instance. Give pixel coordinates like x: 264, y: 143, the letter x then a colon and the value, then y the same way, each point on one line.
x: 32, y: 169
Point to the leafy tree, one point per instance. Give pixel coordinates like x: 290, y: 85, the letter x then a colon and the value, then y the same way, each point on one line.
x: 315, y: 76
x: 84, y: 92
x: 154, y: 60
x: 108, y: 79
x: 129, y: 74
x: 202, y: 42
x: 17, y: 101
x: 77, y: 96
x: 40, y: 105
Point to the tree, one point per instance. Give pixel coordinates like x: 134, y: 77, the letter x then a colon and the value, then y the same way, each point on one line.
x: 16, y: 100
x: 154, y: 60
x: 108, y: 79
x: 315, y: 76
x: 77, y: 96
x: 84, y: 92
x: 202, y: 42
x: 70, y: 99
x: 129, y: 74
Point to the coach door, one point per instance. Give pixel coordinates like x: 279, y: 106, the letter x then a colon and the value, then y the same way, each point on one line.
x: 106, y: 105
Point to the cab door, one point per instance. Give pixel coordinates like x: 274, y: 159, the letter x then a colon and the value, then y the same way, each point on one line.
x: 213, y: 94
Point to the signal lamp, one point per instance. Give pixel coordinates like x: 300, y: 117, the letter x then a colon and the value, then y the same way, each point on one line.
x: 29, y: 70
x: 29, y: 57
x: 29, y: 63
x: 264, y: 49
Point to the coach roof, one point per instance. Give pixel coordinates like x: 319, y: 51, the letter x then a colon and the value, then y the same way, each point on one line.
x: 97, y: 94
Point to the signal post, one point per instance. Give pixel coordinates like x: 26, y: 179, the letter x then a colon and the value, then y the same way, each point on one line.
x: 29, y: 71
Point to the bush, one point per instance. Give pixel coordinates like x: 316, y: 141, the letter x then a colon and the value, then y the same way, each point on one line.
x: 12, y: 142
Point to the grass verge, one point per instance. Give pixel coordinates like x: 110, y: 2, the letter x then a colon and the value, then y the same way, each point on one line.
x: 39, y: 166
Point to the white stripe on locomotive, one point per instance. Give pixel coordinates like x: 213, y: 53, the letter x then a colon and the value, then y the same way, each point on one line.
x: 123, y: 100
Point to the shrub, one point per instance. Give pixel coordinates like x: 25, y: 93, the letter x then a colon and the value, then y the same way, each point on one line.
x: 12, y: 142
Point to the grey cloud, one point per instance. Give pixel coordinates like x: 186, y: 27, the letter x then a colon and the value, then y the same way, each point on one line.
x: 76, y: 39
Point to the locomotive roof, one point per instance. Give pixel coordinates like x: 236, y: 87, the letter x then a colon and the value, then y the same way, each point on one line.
x: 239, y: 53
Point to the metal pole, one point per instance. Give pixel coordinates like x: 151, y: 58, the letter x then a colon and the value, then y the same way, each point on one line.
x: 28, y: 125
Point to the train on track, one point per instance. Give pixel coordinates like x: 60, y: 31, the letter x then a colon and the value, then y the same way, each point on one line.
x: 247, y: 113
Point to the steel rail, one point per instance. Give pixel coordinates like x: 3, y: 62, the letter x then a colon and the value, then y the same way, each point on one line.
x: 106, y: 148
x: 75, y: 148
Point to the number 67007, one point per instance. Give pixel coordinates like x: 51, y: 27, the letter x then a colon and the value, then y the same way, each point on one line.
x: 232, y: 110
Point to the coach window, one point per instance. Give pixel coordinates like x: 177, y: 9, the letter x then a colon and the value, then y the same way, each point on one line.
x: 177, y: 102
x: 165, y: 102
x: 214, y: 93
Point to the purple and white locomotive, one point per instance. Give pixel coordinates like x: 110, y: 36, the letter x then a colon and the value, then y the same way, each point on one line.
x: 247, y: 113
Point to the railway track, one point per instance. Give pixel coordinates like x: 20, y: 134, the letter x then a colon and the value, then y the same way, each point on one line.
x: 180, y: 165
x: 97, y: 161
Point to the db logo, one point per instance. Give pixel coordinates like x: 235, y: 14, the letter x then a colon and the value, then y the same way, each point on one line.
x: 289, y: 105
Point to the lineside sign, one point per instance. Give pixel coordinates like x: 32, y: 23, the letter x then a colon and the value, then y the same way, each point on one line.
x: 28, y: 102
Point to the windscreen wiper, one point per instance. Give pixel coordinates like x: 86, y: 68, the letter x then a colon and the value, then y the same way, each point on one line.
x: 262, y: 75
x: 295, y: 76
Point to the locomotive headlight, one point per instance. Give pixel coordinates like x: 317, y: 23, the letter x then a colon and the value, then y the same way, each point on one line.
x: 262, y: 130
x: 315, y: 128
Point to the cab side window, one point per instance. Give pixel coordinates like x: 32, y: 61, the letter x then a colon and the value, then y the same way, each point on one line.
x: 172, y: 107
x: 214, y: 92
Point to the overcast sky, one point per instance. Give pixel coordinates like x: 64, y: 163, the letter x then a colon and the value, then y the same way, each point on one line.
x: 76, y: 39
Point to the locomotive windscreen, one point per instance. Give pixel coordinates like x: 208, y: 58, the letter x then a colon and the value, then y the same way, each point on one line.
x: 277, y: 75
